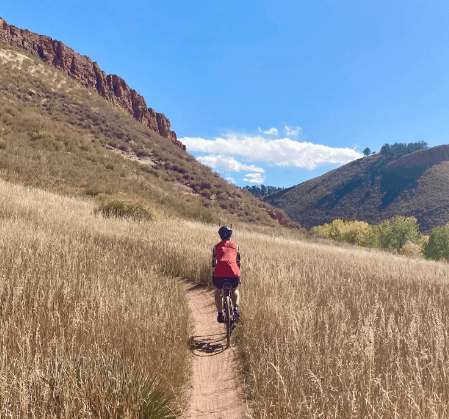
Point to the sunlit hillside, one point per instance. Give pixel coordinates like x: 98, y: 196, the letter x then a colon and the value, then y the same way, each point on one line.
x: 60, y: 136
x: 92, y: 319
x: 374, y: 189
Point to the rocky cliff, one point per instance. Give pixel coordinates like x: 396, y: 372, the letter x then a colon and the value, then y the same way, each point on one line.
x: 88, y: 73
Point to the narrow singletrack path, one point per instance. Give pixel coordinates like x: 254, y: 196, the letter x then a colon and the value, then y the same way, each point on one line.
x: 215, y: 393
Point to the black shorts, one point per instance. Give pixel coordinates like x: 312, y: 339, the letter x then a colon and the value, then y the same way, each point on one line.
x: 218, y: 281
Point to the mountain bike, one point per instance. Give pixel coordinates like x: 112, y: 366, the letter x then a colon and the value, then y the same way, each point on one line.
x: 228, y: 308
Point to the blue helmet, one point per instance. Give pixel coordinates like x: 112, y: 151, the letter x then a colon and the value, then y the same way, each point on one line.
x: 225, y: 233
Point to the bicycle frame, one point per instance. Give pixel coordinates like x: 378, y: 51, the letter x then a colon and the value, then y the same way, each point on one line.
x: 228, y: 308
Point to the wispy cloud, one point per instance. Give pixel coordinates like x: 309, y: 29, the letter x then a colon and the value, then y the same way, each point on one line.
x: 226, y: 162
x: 230, y: 179
x: 271, y: 131
x: 292, y: 131
x: 280, y: 152
x: 254, y: 178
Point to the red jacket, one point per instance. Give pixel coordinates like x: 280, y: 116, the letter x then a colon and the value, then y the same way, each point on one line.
x: 226, y: 259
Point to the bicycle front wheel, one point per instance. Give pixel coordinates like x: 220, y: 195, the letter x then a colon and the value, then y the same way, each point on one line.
x: 228, y: 315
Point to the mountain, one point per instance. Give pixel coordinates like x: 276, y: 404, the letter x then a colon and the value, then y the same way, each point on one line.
x: 59, y: 135
x: 81, y: 68
x: 373, y: 189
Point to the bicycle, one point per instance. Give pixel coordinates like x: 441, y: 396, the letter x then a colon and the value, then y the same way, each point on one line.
x: 228, y: 308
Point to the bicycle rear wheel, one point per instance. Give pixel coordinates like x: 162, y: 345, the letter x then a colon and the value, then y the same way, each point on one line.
x: 228, y: 314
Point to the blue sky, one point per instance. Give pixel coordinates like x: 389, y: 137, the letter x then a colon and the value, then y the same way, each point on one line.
x: 276, y: 92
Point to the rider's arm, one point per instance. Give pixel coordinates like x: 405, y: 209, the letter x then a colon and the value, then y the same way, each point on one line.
x: 238, y: 256
x: 214, y: 258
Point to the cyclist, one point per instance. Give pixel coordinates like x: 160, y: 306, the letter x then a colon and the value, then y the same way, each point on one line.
x: 226, y: 265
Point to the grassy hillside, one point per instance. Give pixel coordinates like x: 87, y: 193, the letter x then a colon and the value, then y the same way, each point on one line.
x: 374, y: 189
x: 57, y: 135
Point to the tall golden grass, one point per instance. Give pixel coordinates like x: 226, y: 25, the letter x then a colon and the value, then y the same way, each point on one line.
x: 340, y: 333
x: 334, y: 332
x: 326, y: 331
x: 87, y: 325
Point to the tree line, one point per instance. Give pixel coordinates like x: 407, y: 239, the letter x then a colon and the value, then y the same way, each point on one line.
x: 262, y: 190
x: 398, y: 149
x: 400, y: 234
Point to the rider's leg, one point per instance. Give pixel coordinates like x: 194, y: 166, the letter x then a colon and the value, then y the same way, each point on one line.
x: 218, y: 300
x: 235, y: 295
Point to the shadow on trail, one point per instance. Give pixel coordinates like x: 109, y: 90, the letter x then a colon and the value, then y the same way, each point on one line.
x: 208, y: 345
x: 194, y: 287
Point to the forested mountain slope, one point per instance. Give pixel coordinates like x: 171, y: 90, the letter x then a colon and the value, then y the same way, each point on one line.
x: 373, y: 189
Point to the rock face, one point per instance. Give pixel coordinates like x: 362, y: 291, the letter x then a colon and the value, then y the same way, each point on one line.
x: 88, y: 73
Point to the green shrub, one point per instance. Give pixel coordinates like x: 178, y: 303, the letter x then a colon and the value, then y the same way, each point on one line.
x: 128, y: 387
x: 206, y: 193
x: 2, y: 145
x: 93, y: 190
x: 438, y: 245
x: 42, y: 134
x: 127, y: 209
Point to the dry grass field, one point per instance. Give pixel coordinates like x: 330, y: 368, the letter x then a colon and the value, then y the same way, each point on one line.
x: 345, y: 333
x: 336, y: 332
x: 87, y: 326
x: 339, y: 332
x: 90, y: 318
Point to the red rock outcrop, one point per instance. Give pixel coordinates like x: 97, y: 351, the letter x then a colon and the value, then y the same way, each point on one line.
x: 88, y: 73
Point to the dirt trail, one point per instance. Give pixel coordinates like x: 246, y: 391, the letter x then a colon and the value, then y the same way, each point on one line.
x: 215, y: 393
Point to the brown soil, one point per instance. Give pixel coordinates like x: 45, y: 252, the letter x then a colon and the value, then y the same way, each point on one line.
x: 215, y: 392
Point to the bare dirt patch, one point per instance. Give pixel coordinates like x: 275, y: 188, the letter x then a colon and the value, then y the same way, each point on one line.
x: 185, y: 189
x: 132, y: 156
x: 9, y: 56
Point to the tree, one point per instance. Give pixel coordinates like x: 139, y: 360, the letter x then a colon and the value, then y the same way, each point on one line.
x: 399, y: 149
x: 367, y: 151
x: 438, y: 244
x: 399, y: 231
x: 386, y: 150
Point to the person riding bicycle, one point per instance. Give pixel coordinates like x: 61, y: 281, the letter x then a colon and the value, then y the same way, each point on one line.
x: 226, y: 265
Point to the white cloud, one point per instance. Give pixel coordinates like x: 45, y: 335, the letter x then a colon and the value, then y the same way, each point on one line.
x: 280, y: 152
x: 292, y: 131
x: 254, y: 178
x: 271, y: 131
x: 227, y: 163
x: 230, y: 179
